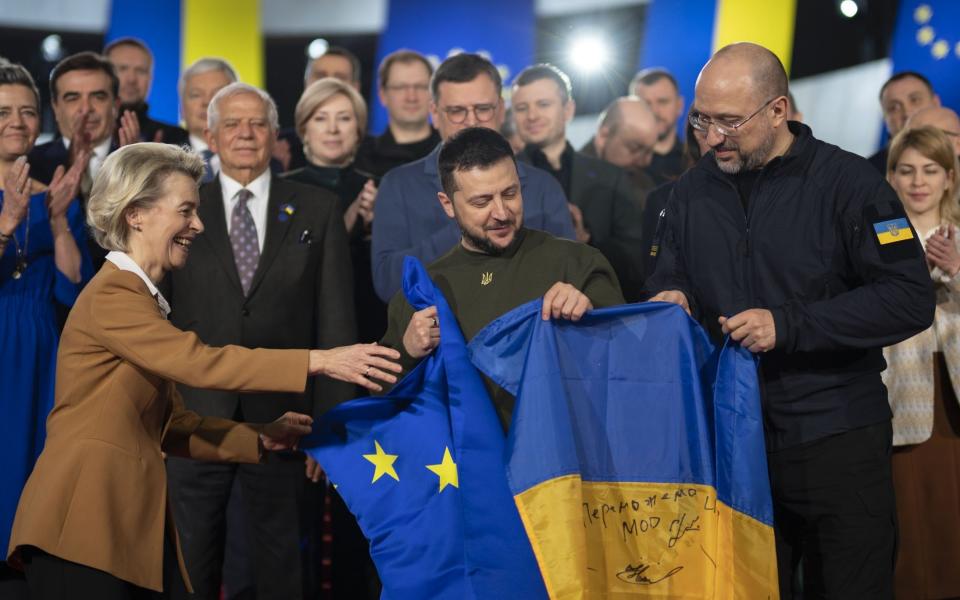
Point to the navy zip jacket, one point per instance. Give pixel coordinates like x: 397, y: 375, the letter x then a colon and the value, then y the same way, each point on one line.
x: 824, y: 244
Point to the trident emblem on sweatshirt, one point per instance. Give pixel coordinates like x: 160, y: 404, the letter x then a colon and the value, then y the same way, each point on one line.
x: 486, y: 279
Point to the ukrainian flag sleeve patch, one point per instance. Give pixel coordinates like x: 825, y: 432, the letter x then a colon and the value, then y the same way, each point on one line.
x: 893, y: 231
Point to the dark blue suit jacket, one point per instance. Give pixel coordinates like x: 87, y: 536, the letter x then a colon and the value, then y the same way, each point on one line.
x: 410, y: 221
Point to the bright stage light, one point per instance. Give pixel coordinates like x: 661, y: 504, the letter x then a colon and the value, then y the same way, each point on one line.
x: 589, y: 53
x: 849, y: 8
x: 52, y: 48
x: 317, y: 48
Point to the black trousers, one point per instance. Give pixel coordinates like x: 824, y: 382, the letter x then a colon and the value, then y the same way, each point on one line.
x: 834, y: 513
x: 52, y: 578
x: 272, y: 496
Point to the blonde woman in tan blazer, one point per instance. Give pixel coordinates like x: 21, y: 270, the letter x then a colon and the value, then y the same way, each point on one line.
x: 923, y: 376
x: 93, y: 521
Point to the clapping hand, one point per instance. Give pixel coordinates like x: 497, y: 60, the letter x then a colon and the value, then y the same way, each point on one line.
x: 942, y: 251
x: 65, y: 185
x: 365, y: 201
x: 285, y: 432
x: 129, y: 132
x: 16, y: 195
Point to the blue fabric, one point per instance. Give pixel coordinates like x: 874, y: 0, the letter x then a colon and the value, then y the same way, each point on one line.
x: 459, y: 542
x: 28, y: 348
x: 635, y: 393
x: 411, y: 222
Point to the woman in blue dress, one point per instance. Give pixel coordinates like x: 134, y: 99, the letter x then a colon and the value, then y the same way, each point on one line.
x: 42, y: 261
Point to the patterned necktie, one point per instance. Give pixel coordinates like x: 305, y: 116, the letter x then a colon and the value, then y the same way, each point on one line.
x: 243, y: 239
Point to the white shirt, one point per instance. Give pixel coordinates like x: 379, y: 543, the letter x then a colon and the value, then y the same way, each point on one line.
x: 199, y: 145
x: 257, y: 204
x: 99, y: 154
x: 123, y: 262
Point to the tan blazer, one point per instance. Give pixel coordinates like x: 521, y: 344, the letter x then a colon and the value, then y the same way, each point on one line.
x: 98, y: 493
x: 909, y: 372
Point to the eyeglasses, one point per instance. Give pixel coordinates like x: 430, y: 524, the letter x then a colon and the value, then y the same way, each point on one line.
x: 702, y: 122
x: 458, y: 114
x: 420, y: 88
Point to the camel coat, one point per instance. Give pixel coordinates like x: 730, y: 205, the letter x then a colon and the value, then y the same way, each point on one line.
x: 98, y: 493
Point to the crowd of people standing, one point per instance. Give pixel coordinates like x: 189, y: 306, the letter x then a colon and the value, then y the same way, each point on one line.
x: 834, y: 270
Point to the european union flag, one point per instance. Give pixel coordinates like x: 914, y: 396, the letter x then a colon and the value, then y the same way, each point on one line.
x: 636, y: 454
x: 926, y: 39
x: 422, y: 468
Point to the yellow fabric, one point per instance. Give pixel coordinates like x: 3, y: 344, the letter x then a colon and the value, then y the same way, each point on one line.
x: 645, y: 540
x: 902, y: 235
x: 228, y: 29
x: 767, y: 23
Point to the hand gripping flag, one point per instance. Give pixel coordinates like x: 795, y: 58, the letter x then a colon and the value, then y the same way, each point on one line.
x: 636, y: 454
x: 422, y: 468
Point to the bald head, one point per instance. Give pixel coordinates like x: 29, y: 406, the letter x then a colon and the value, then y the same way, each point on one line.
x: 749, y: 65
x: 627, y: 133
x: 943, y: 119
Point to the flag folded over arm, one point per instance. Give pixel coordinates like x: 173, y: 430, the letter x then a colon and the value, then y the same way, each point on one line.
x: 636, y: 454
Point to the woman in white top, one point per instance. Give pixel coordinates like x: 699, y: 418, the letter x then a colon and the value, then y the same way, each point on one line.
x: 923, y: 374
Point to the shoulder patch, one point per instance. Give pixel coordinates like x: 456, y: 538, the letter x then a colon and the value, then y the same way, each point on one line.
x: 887, y: 224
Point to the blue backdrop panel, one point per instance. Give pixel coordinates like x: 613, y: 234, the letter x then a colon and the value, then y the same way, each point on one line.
x: 679, y: 38
x: 502, y: 29
x: 926, y: 39
x: 157, y: 23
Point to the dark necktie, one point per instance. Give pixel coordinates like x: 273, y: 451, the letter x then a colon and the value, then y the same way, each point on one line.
x: 243, y: 239
x: 207, y: 167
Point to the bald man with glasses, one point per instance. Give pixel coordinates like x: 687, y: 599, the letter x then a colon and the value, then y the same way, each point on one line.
x: 802, y: 253
x: 410, y: 221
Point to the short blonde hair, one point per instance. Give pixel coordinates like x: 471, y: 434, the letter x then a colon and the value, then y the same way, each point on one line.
x: 321, y: 91
x: 134, y: 177
x: 934, y: 144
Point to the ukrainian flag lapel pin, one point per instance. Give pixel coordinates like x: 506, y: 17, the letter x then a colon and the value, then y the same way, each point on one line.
x: 286, y: 211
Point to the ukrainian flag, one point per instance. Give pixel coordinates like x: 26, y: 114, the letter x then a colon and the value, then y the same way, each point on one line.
x: 636, y: 456
x: 178, y: 32
x: 894, y: 230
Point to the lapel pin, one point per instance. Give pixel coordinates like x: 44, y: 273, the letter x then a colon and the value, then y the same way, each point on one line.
x: 286, y: 211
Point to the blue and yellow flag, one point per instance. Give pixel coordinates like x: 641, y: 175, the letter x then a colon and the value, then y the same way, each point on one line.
x: 422, y: 469
x: 636, y: 454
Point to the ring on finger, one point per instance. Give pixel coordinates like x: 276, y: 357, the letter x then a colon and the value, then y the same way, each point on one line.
x: 367, y: 372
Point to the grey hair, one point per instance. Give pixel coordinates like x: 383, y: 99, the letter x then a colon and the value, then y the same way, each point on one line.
x: 134, y: 177
x: 205, y: 65
x: 236, y: 89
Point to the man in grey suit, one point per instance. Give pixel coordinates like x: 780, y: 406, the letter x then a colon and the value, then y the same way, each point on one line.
x: 605, y: 205
x: 272, y: 269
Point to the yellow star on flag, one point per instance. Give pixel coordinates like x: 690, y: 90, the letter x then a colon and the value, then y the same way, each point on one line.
x: 446, y: 471
x: 383, y: 463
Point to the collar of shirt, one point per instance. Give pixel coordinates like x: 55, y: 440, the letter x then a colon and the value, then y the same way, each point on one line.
x: 100, y: 152
x: 198, y: 143
x: 257, y: 204
x: 123, y: 262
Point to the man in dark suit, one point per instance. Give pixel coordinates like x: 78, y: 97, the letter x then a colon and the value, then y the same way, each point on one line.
x: 83, y: 90
x: 272, y: 269
x: 604, y: 205
x: 133, y: 62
